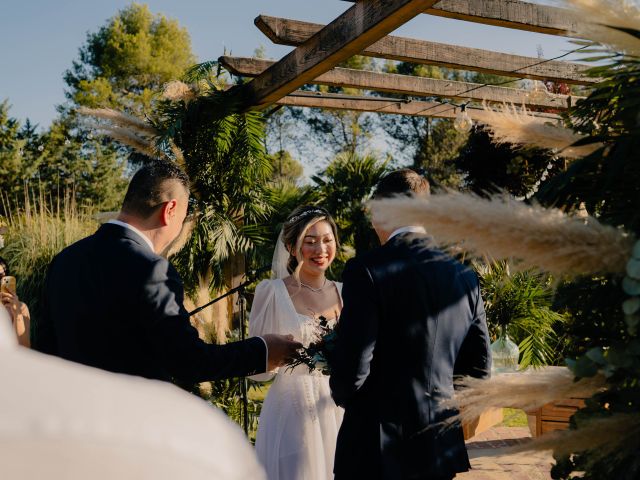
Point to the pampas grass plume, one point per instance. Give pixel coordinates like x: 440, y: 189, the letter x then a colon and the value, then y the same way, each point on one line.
x: 127, y: 137
x: 526, y: 390
x: 596, y: 16
x: 501, y: 228
x: 178, y: 91
x: 520, y: 127
x: 600, y: 436
x: 120, y: 119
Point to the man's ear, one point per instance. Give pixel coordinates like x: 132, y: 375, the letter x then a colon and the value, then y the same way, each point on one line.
x: 168, y: 211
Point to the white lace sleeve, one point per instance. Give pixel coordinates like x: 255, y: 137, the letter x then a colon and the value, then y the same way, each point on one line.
x: 263, y: 318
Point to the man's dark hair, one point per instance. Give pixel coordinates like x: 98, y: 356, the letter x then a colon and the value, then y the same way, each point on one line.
x: 148, y: 190
x: 402, y: 182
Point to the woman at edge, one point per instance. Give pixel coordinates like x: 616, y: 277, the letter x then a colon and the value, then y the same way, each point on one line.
x: 299, y: 422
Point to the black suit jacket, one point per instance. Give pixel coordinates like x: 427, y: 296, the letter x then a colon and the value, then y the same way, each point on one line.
x: 412, y: 319
x: 111, y: 303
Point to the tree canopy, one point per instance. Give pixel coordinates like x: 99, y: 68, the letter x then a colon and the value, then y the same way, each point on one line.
x: 125, y: 63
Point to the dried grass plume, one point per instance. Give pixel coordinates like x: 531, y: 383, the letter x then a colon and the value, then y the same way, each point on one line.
x: 520, y: 127
x: 503, y: 228
x: 602, y: 437
x: 596, y: 16
x: 130, y: 131
x: 178, y: 91
x: 526, y: 390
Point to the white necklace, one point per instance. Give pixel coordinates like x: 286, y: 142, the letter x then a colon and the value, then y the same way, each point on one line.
x: 315, y: 290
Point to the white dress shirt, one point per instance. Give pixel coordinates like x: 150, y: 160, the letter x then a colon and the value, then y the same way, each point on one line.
x: 408, y: 229
x: 135, y: 230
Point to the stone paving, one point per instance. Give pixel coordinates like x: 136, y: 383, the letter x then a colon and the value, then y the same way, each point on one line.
x: 506, y: 467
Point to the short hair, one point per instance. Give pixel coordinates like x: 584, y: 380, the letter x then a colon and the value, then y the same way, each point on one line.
x: 147, y: 189
x: 402, y: 182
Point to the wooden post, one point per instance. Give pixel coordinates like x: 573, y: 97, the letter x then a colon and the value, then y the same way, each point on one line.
x: 515, y: 14
x: 406, y: 84
x: 350, y: 33
x: 393, y: 106
x: 293, y: 32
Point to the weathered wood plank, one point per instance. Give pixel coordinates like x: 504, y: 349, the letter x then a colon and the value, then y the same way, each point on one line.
x: 293, y: 32
x: 413, y: 107
x: 405, y: 84
x: 361, y: 25
x: 508, y: 13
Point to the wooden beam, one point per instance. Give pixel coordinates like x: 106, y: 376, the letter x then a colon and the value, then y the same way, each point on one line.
x: 510, y: 14
x: 389, y: 106
x: 363, y: 24
x: 406, y: 84
x: 292, y: 32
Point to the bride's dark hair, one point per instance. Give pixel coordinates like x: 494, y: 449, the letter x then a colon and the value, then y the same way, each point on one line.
x: 296, y: 226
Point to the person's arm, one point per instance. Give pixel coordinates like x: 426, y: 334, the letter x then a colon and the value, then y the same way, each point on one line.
x: 474, y: 358
x: 23, y: 326
x: 183, y: 354
x: 20, y: 317
x: 357, y: 332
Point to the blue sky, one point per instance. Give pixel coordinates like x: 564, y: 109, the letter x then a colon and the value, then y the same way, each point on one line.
x: 39, y: 39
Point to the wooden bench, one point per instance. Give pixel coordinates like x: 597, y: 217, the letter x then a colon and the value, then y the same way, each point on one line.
x: 555, y: 415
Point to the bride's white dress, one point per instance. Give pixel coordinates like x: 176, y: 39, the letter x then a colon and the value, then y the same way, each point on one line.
x: 299, y: 422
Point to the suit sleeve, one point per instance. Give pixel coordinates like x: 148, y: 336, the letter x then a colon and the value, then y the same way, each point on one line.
x: 357, y: 332
x: 474, y: 358
x: 176, y: 342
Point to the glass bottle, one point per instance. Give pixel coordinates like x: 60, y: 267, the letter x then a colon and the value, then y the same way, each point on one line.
x: 505, y: 354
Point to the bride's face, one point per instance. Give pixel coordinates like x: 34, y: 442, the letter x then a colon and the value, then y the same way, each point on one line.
x: 318, y: 248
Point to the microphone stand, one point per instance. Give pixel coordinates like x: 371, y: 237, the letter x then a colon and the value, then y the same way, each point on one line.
x: 250, y: 277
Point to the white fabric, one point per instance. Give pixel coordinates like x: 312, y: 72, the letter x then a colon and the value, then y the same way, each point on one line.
x: 280, y: 259
x: 135, y: 230
x: 299, y: 422
x: 64, y: 421
x: 409, y: 229
x: 8, y: 338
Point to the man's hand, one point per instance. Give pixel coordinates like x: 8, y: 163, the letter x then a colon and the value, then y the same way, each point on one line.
x: 280, y: 349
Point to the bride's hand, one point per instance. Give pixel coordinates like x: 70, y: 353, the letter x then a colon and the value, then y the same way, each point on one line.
x: 280, y: 348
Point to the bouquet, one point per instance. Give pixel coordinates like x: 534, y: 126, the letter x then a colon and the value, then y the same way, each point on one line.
x: 317, y: 355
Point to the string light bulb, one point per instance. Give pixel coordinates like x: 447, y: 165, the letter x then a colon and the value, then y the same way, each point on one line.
x: 538, y: 93
x: 463, y: 122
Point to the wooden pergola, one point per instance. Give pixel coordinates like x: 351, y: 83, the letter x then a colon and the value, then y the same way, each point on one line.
x: 364, y: 30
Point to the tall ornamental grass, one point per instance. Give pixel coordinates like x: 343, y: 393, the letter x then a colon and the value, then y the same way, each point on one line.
x: 37, y: 232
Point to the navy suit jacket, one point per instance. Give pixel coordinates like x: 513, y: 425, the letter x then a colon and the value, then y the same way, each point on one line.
x: 413, y: 318
x: 112, y: 303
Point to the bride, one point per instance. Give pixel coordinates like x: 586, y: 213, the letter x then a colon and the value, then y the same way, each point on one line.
x: 299, y: 423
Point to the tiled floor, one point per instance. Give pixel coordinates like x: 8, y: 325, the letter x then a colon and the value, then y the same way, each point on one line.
x: 487, y: 466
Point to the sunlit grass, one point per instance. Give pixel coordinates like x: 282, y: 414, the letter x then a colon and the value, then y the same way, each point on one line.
x: 514, y: 418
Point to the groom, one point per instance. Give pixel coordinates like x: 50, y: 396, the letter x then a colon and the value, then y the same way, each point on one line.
x: 112, y: 302
x: 412, y: 319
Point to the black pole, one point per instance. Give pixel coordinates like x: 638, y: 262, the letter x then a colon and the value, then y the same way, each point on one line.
x: 242, y: 303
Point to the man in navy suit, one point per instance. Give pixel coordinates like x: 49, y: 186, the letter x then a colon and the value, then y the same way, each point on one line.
x: 413, y: 318
x: 112, y: 302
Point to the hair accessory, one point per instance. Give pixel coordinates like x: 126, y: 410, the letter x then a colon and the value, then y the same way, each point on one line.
x: 306, y: 214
